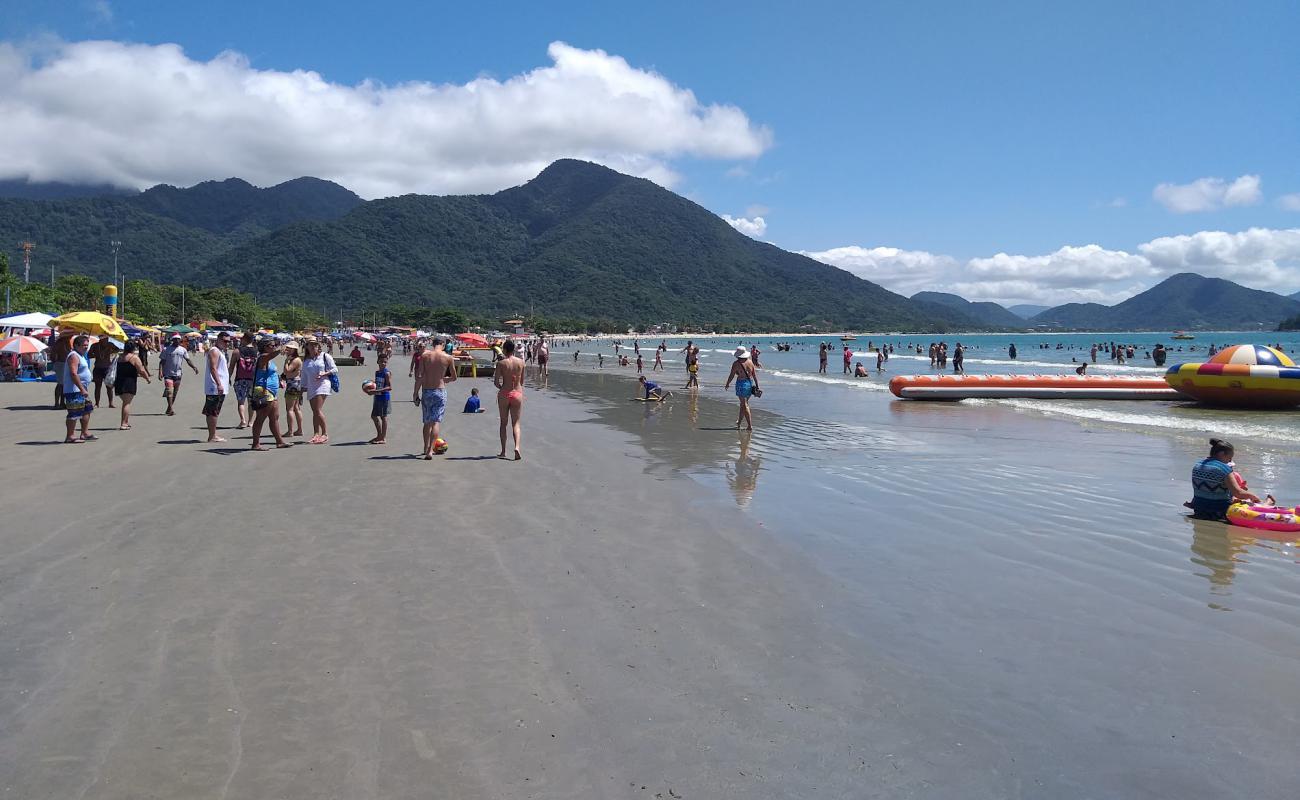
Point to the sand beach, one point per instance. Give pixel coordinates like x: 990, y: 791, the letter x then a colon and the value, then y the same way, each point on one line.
x: 864, y: 598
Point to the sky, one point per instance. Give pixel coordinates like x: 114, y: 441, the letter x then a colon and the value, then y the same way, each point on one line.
x: 1022, y: 152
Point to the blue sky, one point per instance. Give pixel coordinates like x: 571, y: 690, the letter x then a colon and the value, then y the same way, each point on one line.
x: 951, y: 131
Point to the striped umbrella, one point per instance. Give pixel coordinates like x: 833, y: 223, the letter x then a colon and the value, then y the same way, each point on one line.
x: 22, y: 345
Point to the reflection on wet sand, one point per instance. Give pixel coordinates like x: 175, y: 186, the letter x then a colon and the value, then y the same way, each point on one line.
x: 742, y: 475
x: 1220, y: 547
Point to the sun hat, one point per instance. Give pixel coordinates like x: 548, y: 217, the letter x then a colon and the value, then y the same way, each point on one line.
x: 741, y: 353
x: 311, y: 340
x: 291, y: 345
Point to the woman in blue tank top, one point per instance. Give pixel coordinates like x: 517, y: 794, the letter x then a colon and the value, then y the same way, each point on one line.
x: 262, y: 398
x: 1215, y: 485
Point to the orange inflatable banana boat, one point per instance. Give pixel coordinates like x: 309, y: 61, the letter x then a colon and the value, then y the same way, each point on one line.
x: 1042, y: 387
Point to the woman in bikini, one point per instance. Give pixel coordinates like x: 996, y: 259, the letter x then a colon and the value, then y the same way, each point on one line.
x: 509, y: 380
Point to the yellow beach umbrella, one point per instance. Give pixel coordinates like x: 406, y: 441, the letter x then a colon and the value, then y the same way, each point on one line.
x: 90, y: 322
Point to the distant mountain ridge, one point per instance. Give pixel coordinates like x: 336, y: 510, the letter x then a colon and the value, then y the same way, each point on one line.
x: 1182, y: 301
x: 989, y: 314
x: 579, y: 241
x: 1027, y: 310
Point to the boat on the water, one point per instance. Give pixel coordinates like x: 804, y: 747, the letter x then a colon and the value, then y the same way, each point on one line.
x: 1033, y: 387
x: 848, y: 337
x: 1183, y: 336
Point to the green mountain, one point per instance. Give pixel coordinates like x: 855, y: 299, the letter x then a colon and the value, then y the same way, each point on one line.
x: 167, y: 234
x: 578, y: 241
x: 1183, y: 301
x: 1027, y: 310
x: 990, y: 315
x: 234, y: 205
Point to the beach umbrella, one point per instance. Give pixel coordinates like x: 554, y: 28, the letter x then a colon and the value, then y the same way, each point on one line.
x: 35, y: 319
x: 365, y: 337
x: 22, y: 345
x: 181, y: 329
x: 472, y: 339
x: 90, y: 322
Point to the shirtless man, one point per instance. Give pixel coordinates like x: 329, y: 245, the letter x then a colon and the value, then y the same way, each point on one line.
x: 509, y: 380
x: 433, y: 370
x: 543, y: 356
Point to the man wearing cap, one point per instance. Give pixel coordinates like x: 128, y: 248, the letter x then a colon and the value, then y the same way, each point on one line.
x: 170, y: 360
x: 216, y: 383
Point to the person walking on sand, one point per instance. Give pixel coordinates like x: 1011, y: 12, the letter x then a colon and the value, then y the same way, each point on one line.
x: 291, y: 379
x: 129, y: 369
x: 434, y: 370
x: 379, y: 406
x: 244, y: 365
x: 170, y: 360
x: 103, y: 351
x: 76, y: 391
x: 216, y: 384
x: 509, y: 380
x: 319, y: 373
x: 543, y: 356
x: 262, y: 399
x: 746, y: 378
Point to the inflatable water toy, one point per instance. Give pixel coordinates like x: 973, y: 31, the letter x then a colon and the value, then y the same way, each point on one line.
x: 1040, y: 387
x: 1241, y: 376
x: 1265, y: 518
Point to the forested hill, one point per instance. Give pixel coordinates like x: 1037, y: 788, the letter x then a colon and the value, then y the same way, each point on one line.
x: 990, y: 314
x: 1186, y: 300
x: 578, y: 241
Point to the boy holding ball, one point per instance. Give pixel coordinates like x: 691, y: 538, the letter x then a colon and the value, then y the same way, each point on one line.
x: 382, y: 392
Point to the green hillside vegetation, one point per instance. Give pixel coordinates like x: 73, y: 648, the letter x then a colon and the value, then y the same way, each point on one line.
x: 1183, y: 301
x: 988, y: 314
x: 578, y: 247
x: 580, y: 242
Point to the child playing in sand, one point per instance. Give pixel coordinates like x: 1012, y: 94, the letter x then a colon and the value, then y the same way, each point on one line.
x: 472, y: 403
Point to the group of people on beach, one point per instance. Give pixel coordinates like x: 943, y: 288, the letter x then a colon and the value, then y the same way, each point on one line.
x: 247, y: 367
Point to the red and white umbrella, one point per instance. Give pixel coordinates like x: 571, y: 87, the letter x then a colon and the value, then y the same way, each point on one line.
x: 362, y: 335
x: 22, y: 345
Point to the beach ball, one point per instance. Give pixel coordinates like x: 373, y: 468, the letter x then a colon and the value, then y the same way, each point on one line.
x: 440, y: 446
x: 368, y: 387
x: 1252, y: 354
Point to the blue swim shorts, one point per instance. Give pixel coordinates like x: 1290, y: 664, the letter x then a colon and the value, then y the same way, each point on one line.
x: 432, y: 403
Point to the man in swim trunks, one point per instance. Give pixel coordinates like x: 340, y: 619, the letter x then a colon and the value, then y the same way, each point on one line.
x: 509, y: 380
x: 543, y: 355
x: 434, y: 369
x: 170, y: 360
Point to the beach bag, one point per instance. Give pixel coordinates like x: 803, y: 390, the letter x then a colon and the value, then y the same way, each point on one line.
x: 334, y: 375
x: 757, y: 392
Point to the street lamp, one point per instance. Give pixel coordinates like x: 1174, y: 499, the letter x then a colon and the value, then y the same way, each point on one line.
x: 115, y: 244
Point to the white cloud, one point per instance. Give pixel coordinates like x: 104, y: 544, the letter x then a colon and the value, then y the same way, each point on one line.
x: 136, y: 115
x: 903, y: 271
x: 1289, y: 202
x: 1208, y: 194
x: 754, y: 228
x: 1260, y: 258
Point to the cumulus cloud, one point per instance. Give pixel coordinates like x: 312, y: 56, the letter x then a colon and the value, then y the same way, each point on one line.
x: 754, y: 228
x: 136, y: 115
x: 1261, y: 258
x: 904, y: 271
x: 1289, y: 202
x: 1208, y: 194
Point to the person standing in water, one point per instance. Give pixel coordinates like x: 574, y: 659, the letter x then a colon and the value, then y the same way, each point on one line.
x: 659, y: 361
x: 1011, y: 351
x: 821, y: 358
x: 958, y: 360
x: 509, y: 380
x: 692, y: 367
x: 543, y: 356
x: 746, y: 378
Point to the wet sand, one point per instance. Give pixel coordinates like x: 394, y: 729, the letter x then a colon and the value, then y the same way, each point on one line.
x: 648, y: 605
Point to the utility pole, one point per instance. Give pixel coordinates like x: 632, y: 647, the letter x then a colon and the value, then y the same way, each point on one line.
x: 27, y: 263
x: 116, y: 245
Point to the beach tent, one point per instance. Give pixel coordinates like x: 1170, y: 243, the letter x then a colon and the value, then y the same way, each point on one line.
x: 181, y: 329
x: 34, y: 319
